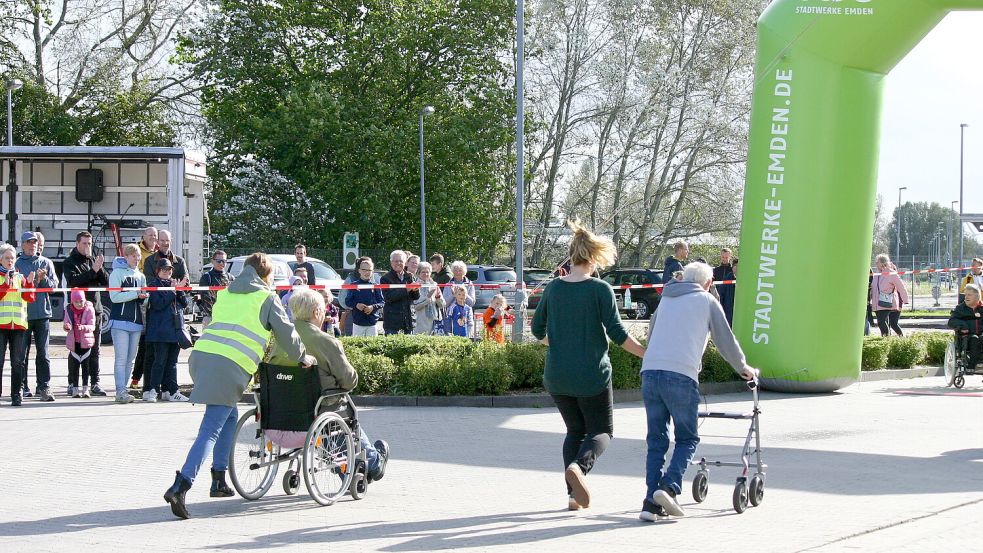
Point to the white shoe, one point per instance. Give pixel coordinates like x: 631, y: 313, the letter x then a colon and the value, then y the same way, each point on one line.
x: 176, y: 396
x: 150, y: 396
x: 668, y: 502
x: 73, y: 391
x: 124, y: 398
x: 85, y: 392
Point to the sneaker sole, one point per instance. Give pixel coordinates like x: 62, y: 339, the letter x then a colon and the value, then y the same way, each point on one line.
x: 578, y: 485
x: 663, y: 499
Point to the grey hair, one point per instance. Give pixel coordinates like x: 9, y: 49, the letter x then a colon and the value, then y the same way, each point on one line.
x: 459, y: 264
x: 973, y: 288
x: 697, y: 272
x: 397, y: 253
x: 424, y: 265
x: 4, y: 248
x: 303, y: 302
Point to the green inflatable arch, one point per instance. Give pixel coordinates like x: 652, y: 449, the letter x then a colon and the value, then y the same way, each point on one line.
x: 811, y: 181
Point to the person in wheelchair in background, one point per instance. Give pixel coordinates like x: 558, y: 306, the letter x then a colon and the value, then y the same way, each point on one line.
x: 334, y: 372
x: 967, y: 321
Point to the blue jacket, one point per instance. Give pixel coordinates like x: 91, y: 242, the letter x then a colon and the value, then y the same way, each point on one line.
x: 672, y: 265
x: 126, y: 309
x: 160, y: 313
x: 371, y: 297
x: 41, y: 308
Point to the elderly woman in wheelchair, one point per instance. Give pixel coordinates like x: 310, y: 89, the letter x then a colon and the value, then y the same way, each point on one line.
x: 965, y: 354
x: 305, y: 417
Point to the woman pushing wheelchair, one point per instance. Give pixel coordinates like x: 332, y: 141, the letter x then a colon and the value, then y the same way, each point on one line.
x: 245, y: 318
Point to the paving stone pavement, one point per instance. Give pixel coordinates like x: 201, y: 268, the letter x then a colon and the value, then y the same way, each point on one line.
x: 866, y: 469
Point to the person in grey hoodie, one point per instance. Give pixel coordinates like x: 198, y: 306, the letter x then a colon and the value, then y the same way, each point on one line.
x: 126, y: 315
x: 688, y: 314
x: 220, y: 381
x: 38, y: 313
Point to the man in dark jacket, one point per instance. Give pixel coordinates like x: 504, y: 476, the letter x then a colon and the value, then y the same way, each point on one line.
x: 217, y: 276
x: 38, y: 312
x: 300, y: 252
x: 164, y: 252
x: 397, y: 316
x: 81, y: 271
x: 725, y: 271
x: 674, y: 263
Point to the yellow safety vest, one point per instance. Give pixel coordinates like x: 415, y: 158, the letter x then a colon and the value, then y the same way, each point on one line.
x: 13, y: 308
x: 235, y: 331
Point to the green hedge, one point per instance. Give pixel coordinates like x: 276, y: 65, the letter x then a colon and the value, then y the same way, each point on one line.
x: 425, y: 365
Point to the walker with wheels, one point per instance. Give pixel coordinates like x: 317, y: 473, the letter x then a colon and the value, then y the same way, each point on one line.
x: 746, y: 491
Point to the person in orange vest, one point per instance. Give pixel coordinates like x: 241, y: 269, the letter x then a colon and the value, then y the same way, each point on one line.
x: 13, y: 319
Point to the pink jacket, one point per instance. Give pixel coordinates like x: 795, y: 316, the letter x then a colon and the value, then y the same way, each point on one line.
x: 81, y: 326
x: 887, y: 285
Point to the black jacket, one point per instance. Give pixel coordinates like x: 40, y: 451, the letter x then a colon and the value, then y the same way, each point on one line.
x: 150, y: 266
x: 212, y: 278
x: 965, y: 318
x: 79, y: 273
x: 442, y: 276
x: 397, y: 315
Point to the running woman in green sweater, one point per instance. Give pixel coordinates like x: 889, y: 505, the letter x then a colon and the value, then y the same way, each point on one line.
x: 575, y: 317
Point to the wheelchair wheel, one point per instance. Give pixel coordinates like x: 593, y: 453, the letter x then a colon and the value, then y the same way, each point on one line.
x: 291, y: 482
x: 252, y: 448
x: 328, y: 458
x: 360, y: 483
x: 949, y: 366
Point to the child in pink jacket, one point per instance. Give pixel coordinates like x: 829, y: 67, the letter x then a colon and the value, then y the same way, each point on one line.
x: 80, y: 325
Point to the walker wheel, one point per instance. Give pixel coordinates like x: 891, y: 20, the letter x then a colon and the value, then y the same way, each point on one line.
x: 291, y: 482
x: 740, y: 496
x: 959, y: 381
x: 701, y: 485
x: 756, y: 492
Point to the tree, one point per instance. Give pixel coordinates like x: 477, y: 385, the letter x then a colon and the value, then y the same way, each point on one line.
x: 330, y: 94
x: 98, y: 70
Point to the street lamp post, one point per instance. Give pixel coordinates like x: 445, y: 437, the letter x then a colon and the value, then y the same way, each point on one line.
x: 520, y: 284
x: 12, y: 85
x: 962, y: 141
x: 423, y: 194
x: 897, y: 251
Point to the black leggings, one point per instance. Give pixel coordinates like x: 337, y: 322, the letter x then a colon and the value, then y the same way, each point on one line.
x: 889, y: 318
x: 590, y: 427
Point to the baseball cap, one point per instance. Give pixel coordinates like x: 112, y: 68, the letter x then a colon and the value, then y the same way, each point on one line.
x: 28, y: 235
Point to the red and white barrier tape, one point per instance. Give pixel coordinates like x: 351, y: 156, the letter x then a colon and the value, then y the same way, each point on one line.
x: 414, y: 286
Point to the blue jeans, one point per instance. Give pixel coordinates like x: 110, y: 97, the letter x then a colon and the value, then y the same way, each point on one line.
x: 38, y: 328
x: 371, y: 455
x: 216, y: 436
x: 163, y: 373
x: 125, y: 344
x: 669, y: 395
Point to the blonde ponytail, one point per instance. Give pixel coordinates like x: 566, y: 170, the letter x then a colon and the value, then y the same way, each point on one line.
x: 586, y: 247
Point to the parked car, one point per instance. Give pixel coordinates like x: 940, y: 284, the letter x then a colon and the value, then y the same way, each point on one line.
x: 644, y: 301
x: 490, y: 280
x: 536, y: 280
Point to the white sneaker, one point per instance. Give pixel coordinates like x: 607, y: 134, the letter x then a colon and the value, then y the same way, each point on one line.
x: 150, y: 396
x: 124, y: 398
x: 73, y: 391
x: 668, y: 502
x: 85, y: 392
x: 176, y: 396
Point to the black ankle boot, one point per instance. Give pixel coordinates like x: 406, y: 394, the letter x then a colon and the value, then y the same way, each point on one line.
x: 219, y: 487
x: 175, y: 496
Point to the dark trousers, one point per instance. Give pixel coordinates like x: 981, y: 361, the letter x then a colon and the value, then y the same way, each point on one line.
x: 889, y: 318
x: 13, y: 341
x: 144, y: 360
x: 163, y: 372
x: 590, y: 427
x: 81, y: 362
x: 38, y: 329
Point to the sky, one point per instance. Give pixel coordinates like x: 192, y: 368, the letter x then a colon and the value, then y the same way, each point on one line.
x: 935, y: 88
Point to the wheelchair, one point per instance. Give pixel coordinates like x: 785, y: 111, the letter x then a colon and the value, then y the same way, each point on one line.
x: 963, y: 357
x: 331, y: 462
